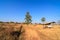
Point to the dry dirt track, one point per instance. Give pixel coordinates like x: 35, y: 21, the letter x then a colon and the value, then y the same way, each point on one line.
x: 31, y: 33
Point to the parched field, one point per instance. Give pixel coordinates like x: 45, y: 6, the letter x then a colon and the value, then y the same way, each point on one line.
x: 37, y: 32
x: 29, y: 32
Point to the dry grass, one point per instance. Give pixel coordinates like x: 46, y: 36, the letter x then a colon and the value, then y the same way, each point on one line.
x: 29, y: 32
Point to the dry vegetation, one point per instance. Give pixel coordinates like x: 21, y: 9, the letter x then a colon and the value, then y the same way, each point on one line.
x: 14, y: 31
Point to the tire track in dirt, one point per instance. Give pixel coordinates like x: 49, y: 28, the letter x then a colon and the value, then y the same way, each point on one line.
x: 34, y: 34
x: 41, y: 35
x: 30, y: 34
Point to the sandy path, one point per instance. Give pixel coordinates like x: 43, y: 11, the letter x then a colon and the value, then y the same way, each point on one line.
x: 36, y: 34
x: 30, y: 34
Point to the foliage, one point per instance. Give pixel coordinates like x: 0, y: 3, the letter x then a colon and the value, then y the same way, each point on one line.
x: 58, y: 22
x: 43, y: 19
x: 28, y: 18
x: 1, y: 22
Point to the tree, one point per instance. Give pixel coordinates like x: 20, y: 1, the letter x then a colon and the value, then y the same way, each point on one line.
x: 28, y: 18
x: 58, y: 22
x: 43, y: 20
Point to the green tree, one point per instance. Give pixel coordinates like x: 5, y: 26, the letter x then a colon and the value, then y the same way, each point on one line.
x: 58, y: 22
x: 28, y: 18
x: 43, y: 20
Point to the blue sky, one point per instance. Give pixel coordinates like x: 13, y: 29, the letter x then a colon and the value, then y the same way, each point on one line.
x: 15, y: 10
